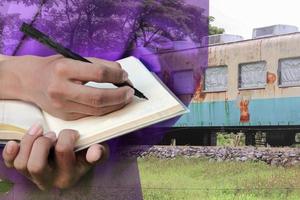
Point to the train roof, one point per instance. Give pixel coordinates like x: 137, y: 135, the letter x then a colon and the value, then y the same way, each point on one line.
x: 199, y: 46
x: 255, y: 39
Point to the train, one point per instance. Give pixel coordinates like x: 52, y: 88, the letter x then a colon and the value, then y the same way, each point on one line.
x: 244, y: 86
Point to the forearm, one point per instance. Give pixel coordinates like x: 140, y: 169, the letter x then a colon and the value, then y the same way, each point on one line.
x: 3, y: 57
x: 9, y: 81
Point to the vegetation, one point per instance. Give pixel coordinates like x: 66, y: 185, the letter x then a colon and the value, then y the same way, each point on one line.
x: 201, y: 179
x: 5, y: 186
x: 196, y: 179
x: 230, y: 139
x: 214, y: 30
x: 297, y: 145
x: 106, y: 25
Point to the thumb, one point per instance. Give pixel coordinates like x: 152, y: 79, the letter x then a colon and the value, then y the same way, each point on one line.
x: 95, y: 154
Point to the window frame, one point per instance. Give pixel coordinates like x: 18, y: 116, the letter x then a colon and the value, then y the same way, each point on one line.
x: 279, y: 72
x: 239, y: 76
x: 204, y: 80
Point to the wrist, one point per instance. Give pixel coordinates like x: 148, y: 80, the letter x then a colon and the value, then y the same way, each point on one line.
x: 3, y: 57
x: 10, y: 83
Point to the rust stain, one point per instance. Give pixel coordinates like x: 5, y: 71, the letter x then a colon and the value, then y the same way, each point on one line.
x: 271, y: 78
x: 244, y: 109
x: 199, y: 94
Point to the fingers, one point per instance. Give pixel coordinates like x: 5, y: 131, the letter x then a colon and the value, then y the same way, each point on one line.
x: 64, y: 149
x: 108, y: 63
x: 31, y: 157
x: 96, y: 97
x: 10, y: 152
x: 20, y: 163
x: 96, y: 153
x: 91, y: 111
x: 38, y: 166
x: 65, y: 158
x: 93, y: 155
x: 68, y: 99
x: 100, y: 71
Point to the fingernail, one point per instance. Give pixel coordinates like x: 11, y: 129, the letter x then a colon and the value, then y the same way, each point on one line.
x: 130, y: 94
x: 76, y: 135
x: 35, y: 129
x: 9, y: 148
x: 51, y: 135
x: 125, y: 76
x: 94, y: 154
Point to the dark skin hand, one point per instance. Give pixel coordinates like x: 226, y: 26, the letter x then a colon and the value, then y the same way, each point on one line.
x: 63, y: 169
x: 55, y: 84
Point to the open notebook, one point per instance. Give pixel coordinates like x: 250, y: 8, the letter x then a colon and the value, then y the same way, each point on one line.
x: 16, y: 116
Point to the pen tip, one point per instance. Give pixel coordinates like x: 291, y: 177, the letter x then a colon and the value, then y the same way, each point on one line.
x: 143, y: 97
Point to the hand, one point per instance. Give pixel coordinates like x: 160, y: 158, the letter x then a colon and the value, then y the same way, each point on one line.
x: 55, y: 84
x: 63, y: 169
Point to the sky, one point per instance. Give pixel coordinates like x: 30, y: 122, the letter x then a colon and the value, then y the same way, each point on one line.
x: 239, y: 17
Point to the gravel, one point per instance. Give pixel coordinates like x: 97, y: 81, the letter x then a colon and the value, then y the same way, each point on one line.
x: 273, y: 156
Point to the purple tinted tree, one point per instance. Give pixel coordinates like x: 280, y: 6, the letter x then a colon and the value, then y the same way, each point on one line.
x: 1, y: 30
x: 105, y: 25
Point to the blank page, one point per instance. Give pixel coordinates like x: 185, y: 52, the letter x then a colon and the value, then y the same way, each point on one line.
x: 19, y: 114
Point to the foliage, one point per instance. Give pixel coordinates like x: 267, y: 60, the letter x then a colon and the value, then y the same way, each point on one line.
x: 1, y: 30
x: 5, y: 186
x: 297, y: 139
x: 230, y: 139
x: 201, y: 179
x: 214, y: 30
x: 104, y: 26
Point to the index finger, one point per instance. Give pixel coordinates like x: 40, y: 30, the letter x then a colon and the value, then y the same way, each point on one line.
x: 105, y: 62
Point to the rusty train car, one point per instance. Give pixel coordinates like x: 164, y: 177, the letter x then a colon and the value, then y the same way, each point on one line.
x: 249, y: 86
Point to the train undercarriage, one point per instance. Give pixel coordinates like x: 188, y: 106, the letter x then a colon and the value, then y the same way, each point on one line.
x: 274, y: 136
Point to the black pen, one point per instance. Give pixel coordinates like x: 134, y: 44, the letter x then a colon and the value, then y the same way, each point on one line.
x: 32, y: 32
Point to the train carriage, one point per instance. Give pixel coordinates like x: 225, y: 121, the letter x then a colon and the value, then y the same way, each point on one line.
x: 250, y: 85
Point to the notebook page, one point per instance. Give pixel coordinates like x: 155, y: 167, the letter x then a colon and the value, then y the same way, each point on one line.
x: 19, y: 114
x: 159, y: 101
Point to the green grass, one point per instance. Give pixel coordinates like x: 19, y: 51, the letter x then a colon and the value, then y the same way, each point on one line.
x: 200, y: 179
x: 5, y: 186
x: 197, y: 179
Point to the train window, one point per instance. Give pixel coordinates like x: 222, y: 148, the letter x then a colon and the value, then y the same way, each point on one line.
x: 252, y: 75
x: 183, y: 82
x: 216, y: 79
x: 289, y: 72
